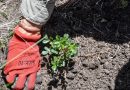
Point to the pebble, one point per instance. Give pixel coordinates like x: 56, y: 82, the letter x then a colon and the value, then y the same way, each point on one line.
x: 93, y: 66
x: 70, y: 76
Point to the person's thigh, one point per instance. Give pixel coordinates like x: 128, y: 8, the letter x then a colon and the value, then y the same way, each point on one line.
x: 37, y: 11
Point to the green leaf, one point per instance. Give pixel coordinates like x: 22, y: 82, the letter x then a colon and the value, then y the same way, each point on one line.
x: 54, y: 68
x: 66, y: 36
x: 54, y: 51
x: 45, y: 41
x: 63, y: 64
x: 54, y: 61
x: 45, y: 37
x: 47, y: 49
x: 57, y: 37
x: 44, y: 52
x: 56, y: 42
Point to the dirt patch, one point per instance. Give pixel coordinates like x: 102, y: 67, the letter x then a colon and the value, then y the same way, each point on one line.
x: 103, y: 35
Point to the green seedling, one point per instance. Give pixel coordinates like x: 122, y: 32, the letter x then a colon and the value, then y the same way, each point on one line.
x: 60, y: 50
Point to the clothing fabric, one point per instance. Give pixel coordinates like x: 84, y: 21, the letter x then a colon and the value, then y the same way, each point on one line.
x: 37, y: 11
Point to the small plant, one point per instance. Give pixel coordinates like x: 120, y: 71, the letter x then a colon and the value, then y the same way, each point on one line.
x: 60, y: 51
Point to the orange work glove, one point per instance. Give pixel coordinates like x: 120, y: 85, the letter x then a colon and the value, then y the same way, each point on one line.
x: 26, y: 66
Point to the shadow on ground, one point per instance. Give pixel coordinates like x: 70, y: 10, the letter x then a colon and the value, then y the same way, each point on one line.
x: 123, y: 78
x: 99, y: 19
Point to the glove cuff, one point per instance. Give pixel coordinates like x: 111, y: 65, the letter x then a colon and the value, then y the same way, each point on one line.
x: 24, y: 36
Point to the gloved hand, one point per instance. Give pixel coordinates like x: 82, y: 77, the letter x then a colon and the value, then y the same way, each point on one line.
x: 26, y: 65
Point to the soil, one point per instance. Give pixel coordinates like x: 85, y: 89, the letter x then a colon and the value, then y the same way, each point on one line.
x: 102, y: 32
